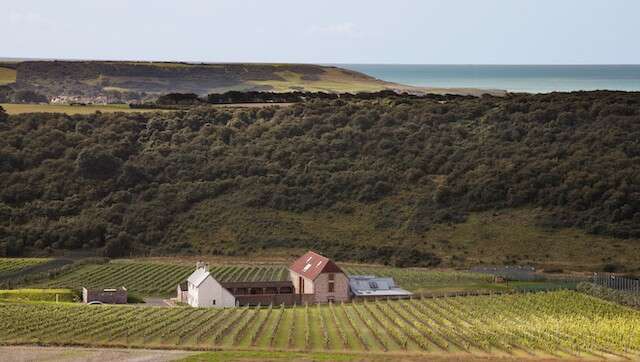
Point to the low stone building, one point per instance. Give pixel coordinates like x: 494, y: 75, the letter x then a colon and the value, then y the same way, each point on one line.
x: 106, y: 296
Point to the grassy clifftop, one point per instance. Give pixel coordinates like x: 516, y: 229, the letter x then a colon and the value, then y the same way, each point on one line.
x: 59, y: 77
x: 94, y: 78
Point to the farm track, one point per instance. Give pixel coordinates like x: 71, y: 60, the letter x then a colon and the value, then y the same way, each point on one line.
x: 542, y: 325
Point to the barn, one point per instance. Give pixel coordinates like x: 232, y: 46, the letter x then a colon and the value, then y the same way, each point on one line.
x: 317, y: 279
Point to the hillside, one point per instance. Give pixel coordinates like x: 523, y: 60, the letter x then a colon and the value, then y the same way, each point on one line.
x: 125, y: 81
x: 548, y: 179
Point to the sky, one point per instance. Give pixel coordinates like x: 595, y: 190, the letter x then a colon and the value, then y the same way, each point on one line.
x: 327, y: 31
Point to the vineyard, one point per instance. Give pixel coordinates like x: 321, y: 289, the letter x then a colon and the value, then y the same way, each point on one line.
x: 10, y: 265
x: 419, y: 280
x: 561, y: 324
x: 154, y: 278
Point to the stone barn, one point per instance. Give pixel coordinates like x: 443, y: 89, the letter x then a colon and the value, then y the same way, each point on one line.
x: 317, y: 279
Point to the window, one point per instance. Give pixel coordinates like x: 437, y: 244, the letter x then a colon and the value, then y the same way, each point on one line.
x: 373, y: 285
x: 214, y: 302
x: 331, y: 286
x: 332, y: 276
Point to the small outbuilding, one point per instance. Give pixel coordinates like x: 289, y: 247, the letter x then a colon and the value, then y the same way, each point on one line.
x: 105, y: 296
x: 370, y: 286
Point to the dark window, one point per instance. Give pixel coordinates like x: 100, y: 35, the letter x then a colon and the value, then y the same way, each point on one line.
x: 286, y: 290
x: 241, y: 291
x: 214, y: 302
x: 331, y: 287
x: 271, y: 290
x: 373, y: 285
x: 332, y: 276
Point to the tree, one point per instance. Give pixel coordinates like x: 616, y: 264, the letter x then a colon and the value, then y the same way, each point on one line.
x: 3, y: 115
x: 29, y: 96
x: 97, y: 163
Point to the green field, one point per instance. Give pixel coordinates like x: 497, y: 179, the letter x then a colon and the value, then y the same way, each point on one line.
x: 48, y: 295
x: 10, y: 265
x: 331, y: 80
x: 561, y: 324
x: 7, y: 75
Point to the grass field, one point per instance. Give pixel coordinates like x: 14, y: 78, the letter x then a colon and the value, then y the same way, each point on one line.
x: 332, y: 80
x: 493, y: 237
x: 560, y: 324
x: 13, y: 108
x: 49, y: 295
x: 7, y: 75
x: 10, y: 265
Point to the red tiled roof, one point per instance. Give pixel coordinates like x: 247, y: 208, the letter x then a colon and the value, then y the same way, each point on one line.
x: 311, y: 264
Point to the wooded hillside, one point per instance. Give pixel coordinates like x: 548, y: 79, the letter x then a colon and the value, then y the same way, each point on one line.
x: 175, y: 182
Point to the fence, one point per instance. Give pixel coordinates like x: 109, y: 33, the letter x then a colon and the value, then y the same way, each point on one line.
x: 617, y: 282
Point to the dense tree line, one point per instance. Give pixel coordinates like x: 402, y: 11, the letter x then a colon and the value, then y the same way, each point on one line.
x: 122, y: 183
x: 231, y: 97
x: 9, y: 95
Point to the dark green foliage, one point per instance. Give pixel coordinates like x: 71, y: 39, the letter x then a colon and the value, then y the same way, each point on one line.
x: 126, y: 182
x: 97, y: 163
x: 6, y: 94
x: 178, y: 99
x: 292, y: 97
x: 29, y: 96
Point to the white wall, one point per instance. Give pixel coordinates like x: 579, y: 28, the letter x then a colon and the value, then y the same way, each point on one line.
x: 308, y: 284
x: 208, y: 291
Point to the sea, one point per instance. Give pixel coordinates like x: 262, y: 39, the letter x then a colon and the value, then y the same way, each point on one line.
x: 513, y: 78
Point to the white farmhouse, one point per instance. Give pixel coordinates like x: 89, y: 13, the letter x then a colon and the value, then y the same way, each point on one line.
x: 203, y: 290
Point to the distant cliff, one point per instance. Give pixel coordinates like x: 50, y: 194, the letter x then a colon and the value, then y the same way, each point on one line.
x: 131, y: 80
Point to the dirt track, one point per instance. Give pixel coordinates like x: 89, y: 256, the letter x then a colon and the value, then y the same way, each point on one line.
x: 72, y: 354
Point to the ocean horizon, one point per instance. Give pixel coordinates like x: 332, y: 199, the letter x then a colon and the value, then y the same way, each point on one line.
x: 513, y: 78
